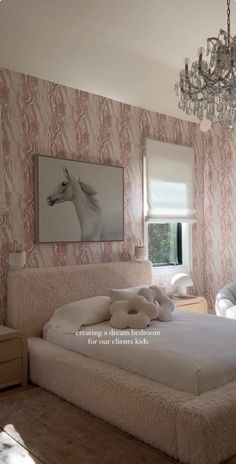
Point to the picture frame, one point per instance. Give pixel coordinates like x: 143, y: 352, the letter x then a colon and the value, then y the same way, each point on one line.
x: 77, y: 201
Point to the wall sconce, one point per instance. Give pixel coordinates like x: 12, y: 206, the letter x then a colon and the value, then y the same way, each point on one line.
x: 17, y: 257
x: 140, y: 253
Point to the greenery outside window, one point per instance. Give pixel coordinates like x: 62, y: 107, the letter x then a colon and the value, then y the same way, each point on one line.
x: 165, y: 244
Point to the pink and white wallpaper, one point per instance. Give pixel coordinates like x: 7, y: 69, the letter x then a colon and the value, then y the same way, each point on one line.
x: 50, y: 119
x: 219, y: 211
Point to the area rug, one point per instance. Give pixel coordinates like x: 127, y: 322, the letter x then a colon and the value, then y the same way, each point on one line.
x: 37, y: 427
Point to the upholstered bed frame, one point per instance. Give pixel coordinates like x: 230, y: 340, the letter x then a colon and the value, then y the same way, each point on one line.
x: 194, y: 429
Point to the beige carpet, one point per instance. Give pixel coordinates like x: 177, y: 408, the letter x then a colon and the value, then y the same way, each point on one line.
x: 37, y: 427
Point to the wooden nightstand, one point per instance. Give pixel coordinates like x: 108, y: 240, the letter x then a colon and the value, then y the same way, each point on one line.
x: 196, y: 304
x: 13, y: 358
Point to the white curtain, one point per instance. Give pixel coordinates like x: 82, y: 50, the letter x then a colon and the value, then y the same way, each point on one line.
x: 169, y: 182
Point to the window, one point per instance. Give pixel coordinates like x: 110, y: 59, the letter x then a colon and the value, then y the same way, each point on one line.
x: 169, y: 202
x: 165, y: 244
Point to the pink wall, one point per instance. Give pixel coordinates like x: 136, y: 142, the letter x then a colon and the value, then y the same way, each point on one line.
x: 47, y: 118
x: 219, y: 211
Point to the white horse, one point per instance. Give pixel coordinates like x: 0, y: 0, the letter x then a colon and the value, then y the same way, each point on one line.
x: 86, y: 205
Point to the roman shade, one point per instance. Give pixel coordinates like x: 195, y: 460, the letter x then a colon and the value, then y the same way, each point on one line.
x: 169, y: 182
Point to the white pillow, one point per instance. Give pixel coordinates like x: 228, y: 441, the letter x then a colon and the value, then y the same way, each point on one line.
x: 70, y: 317
x: 124, y: 293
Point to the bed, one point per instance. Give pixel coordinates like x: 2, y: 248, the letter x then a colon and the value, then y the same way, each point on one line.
x: 193, y: 426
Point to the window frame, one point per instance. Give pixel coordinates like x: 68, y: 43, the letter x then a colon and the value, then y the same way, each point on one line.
x: 178, y: 245
x: 186, y: 265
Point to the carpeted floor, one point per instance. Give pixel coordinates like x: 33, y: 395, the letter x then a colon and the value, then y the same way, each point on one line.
x: 37, y: 427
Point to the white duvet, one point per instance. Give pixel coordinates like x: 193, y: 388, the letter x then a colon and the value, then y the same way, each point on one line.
x: 193, y: 353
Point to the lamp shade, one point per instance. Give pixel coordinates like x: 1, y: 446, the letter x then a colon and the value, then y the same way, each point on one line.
x: 181, y: 281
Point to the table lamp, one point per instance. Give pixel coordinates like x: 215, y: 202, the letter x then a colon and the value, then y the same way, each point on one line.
x: 181, y: 282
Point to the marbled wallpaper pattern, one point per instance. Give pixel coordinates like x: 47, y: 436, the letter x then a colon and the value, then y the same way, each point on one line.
x: 50, y: 119
x: 219, y: 211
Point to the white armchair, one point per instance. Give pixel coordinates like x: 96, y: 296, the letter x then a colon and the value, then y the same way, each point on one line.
x: 225, y: 305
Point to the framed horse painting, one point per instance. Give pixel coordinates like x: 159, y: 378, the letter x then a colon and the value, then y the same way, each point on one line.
x: 78, y: 201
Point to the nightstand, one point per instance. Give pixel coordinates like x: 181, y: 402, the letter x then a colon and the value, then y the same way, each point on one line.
x: 196, y: 304
x: 13, y: 358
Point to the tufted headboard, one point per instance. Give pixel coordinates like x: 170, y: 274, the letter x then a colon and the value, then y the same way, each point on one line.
x: 34, y: 294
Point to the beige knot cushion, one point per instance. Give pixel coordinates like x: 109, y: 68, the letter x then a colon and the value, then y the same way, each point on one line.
x: 165, y: 305
x: 134, y: 313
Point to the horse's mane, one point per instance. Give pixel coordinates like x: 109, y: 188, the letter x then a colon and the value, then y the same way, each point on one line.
x: 90, y: 193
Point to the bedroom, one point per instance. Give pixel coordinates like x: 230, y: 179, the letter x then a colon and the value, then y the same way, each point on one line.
x: 89, y: 84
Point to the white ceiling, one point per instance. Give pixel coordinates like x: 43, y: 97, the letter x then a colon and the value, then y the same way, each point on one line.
x: 128, y: 50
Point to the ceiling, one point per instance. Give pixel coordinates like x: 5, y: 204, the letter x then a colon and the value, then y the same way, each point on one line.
x: 128, y: 50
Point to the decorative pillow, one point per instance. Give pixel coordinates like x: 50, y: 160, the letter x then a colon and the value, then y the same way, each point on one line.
x: 134, y: 313
x: 70, y: 317
x: 117, y: 294
x: 155, y: 295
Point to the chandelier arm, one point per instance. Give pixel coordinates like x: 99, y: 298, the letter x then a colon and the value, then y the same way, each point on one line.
x: 206, y: 77
x: 216, y: 39
x: 201, y: 89
x: 193, y: 87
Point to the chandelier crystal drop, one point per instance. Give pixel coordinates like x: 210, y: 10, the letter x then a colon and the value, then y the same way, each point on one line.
x: 207, y: 88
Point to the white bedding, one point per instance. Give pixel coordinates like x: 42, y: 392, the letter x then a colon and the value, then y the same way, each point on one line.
x: 193, y: 353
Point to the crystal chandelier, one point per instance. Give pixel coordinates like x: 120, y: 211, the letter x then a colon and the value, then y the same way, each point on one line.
x: 207, y: 88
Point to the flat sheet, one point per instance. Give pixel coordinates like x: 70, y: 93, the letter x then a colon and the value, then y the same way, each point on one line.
x: 194, y: 353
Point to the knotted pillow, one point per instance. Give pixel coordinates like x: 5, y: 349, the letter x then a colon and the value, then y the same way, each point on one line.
x: 165, y: 305
x: 134, y: 313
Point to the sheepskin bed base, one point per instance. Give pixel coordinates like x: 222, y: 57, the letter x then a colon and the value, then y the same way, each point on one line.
x: 194, y: 430
x: 37, y: 427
